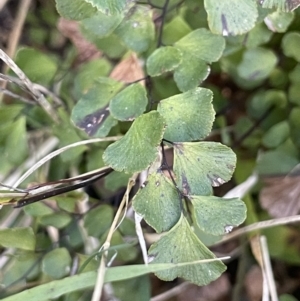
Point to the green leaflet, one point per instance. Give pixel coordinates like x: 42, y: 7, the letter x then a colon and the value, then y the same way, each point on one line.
x: 158, y: 202
x: 222, y: 21
x: 139, y: 147
x: 75, y: 10
x: 129, y: 103
x: 181, y: 244
x: 202, y: 44
x: 162, y: 60
x: 110, y: 7
x: 200, y: 165
x: 91, y: 113
x: 22, y: 238
x: 216, y: 215
x: 189, y: 116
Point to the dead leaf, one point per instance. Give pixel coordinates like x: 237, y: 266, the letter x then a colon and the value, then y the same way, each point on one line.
x: 253, y: 283
x: 214, y: 291
x: 128, y: 70
x: 86, y: 50
x: 281, y: 196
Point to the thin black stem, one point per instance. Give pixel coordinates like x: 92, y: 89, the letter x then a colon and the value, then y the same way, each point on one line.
x: 168, y: 141
x: 56, y: 191
x: 254, y: 126
x: 163, y: 19
x: 154, y: 5
x: 165, y: 163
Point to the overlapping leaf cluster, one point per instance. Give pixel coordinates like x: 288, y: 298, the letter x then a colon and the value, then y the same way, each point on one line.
x: 182, y: 119
x: 177, y: 62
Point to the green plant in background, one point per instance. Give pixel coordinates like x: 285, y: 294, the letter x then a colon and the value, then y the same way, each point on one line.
x: 184, y: 46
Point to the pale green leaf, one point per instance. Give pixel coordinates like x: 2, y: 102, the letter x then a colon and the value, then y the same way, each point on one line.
x: 102, y: 25
x: 38, y: 209
x: 57, y: 263
x: 216, y: 215
x: 231, y: 17
x: 291, y: 44
x: 282, y: 5
x: 139, y: 147
x: 162, y: 60
x: 137, y: 29
x: 276, y: 162
x: 75, y: 9
x: 189, y: 116
x: 257, y: 36
x: 200, y: 165
x: 58, y: 220
x: 91, y: 113
x: 190, y: 73
x: 202, y: 44
x: 181, y: 244
x: 176, y: 29
x: 257, y: 64
x: 110, y: 7
x: 21, y: 238
x: 158, y: 202
x: 129, y: 103
x: 279, y: 21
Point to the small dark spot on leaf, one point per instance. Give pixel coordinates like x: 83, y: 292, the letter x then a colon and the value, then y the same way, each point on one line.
x: 225, y: 31
x: 215, y: 180
x: 185, y: 186
x: 231, y: 167
x: 92, y: 122
x: 144, y: 184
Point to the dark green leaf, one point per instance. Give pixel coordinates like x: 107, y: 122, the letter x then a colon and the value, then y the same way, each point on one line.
x: 189, y: 116
x: 218, y: 216
x: 200, y: 165
x: 98, y: 220
x: 162, y: 60
x: 181, y: 244
x: 38, y: 66
x: 139, y: 147
x: 276, y: 135
x: 158, y: 202
x: 129, y: 103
